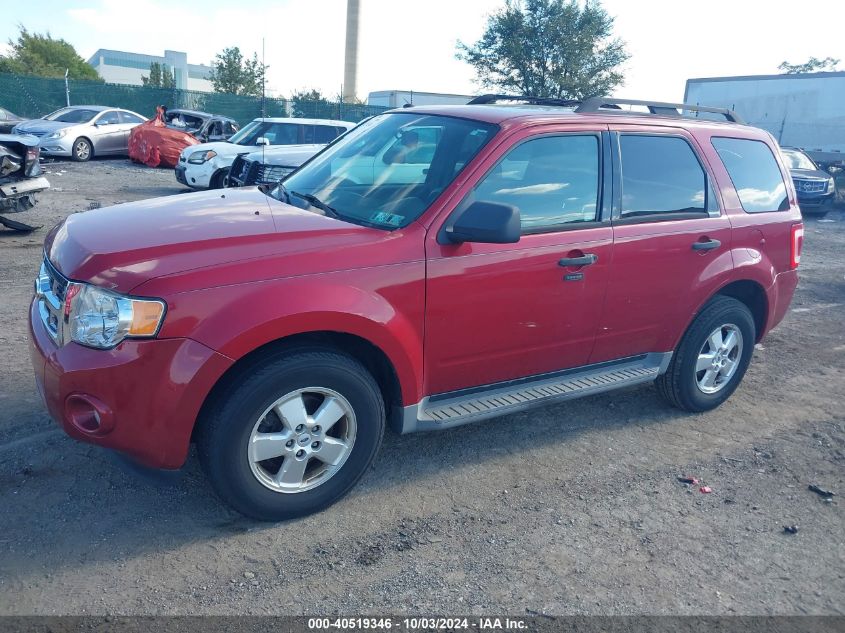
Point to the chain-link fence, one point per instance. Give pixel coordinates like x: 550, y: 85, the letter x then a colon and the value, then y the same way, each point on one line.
x: 33, y: 97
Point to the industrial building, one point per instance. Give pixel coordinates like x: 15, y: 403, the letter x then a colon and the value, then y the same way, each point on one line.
x: 120, y: 67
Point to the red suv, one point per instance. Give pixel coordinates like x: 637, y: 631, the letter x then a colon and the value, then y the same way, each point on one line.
x: 436, y: 266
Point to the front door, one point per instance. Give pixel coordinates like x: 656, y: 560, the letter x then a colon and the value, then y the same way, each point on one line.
x: 110, y: 134
x: 497, y: 312
x: 671, y: 242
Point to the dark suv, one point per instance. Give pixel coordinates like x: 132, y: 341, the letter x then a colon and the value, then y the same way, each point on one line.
x: 815, y: 187
x: 436, y: 266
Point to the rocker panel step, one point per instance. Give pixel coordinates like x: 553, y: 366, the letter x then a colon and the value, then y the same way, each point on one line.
x: 445, y: 411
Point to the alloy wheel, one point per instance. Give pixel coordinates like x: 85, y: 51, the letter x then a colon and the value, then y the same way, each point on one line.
x: 302, y: 440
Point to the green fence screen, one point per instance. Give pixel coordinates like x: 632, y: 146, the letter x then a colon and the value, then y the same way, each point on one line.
x: 33, y: 97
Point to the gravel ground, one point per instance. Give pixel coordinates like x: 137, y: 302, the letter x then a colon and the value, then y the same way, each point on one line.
x: 568, y: 509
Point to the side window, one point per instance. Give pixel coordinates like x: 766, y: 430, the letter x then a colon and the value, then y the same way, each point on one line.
x: 128, y: 117
x: 660, y: 174
x: 282, y: 134
x: 307, y: 132
x: 754, y: 173
x: 110, y: 118
x: 553, y: 181
x: 325, y: 134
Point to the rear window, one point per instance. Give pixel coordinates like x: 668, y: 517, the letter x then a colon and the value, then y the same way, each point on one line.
x: 660, y: 174
x: 754, y: 173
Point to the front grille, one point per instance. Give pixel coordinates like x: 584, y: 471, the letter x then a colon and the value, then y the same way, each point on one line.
x: 50, y: 289
x: 810, y: 186
x: 38, y: 134
x: 271, y: 174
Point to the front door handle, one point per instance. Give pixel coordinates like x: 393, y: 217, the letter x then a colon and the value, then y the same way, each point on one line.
x: 709, y: 245
x: 584, y: 260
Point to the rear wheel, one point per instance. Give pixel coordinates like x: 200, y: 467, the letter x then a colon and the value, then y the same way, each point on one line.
x: 712, y: 358
x: 82, y: 150
x: 293, y: 436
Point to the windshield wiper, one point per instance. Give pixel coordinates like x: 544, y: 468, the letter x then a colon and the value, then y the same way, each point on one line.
x: 314, y: 201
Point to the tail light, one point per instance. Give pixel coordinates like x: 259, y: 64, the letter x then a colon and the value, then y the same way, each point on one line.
x: 796, y: 243
x: 32, y: 153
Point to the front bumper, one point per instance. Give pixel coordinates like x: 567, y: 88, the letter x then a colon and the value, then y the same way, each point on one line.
x: 195, y: 176
x: 23, y: 187
x: 56, y: 147
x: 179, y: 170
x: 815, y: 202
x: 146, y: 393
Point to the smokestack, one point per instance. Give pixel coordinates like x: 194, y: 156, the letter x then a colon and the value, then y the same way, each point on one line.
x: 350, y: 67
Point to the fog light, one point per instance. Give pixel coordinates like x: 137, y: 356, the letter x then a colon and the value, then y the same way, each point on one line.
x: 88, y: 414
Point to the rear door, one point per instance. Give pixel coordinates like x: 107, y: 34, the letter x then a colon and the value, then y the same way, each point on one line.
x: 671, y: 241
x: 497, y: 312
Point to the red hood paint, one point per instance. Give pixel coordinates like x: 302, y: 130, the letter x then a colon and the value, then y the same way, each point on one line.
x: 123, y: 246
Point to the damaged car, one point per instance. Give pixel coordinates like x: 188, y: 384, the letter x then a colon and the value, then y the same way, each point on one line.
x: 160, y: 141
x: 205, y: 127
x: 20, y: 177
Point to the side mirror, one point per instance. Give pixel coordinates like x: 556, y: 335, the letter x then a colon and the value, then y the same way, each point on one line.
x: 485, y: 223
x: 262, y: 141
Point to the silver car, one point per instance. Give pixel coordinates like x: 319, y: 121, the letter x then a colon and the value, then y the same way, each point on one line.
x: 82, y: 132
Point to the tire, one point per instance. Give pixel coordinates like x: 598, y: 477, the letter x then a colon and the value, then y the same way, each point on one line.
x: 218, y: 179
x: 686, y: 384
x: 230, y: 430
x: 82, y: 150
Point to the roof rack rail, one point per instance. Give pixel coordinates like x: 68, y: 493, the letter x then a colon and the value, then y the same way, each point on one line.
x: 494, y: 98
x: 594, y: 104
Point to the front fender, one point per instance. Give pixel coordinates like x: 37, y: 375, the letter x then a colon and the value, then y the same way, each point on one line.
x: 383, y: 305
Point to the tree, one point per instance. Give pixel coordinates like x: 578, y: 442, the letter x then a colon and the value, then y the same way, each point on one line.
x: 812, y: 65
x: 41, y: 55
x: 160, y: 77
x: 312, y: 103
x: 548, y: 48
x: 232, y: 73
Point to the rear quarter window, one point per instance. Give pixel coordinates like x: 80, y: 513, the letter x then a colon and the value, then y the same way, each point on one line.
x: 754, y: 173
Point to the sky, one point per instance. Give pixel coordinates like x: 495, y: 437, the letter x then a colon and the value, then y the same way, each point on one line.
x: 410, y: 45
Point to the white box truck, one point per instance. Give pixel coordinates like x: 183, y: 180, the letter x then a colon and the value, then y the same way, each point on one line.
x: 801, y: 110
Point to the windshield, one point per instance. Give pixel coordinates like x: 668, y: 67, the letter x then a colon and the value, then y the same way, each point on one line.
x: 798, y: 160
x: 275, y: 133
x: 72, y: 115
x: 388, y: 170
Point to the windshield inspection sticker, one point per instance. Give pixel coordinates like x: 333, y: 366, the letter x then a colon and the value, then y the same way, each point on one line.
x: 383, y: 217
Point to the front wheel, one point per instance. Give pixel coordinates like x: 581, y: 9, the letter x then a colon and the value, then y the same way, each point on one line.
x: 712, y: 358
x: 293, y: 436
x: 82, y: 150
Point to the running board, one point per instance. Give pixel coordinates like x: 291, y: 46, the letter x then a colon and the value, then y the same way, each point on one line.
x: 454, y: 409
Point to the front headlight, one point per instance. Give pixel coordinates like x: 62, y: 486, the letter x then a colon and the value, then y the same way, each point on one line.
x: 198, y: 158
x: 56, y: 134
x: 102, y: 319
x: 831, y: 185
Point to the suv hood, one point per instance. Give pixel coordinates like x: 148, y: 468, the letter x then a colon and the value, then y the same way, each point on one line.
x: 123, y: 246
x: 223, y: 149
x: 293, y: 155
x: 809, y: 173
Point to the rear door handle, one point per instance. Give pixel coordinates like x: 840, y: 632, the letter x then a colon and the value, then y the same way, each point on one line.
x: 709, y: 245
x: 584, y: 260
